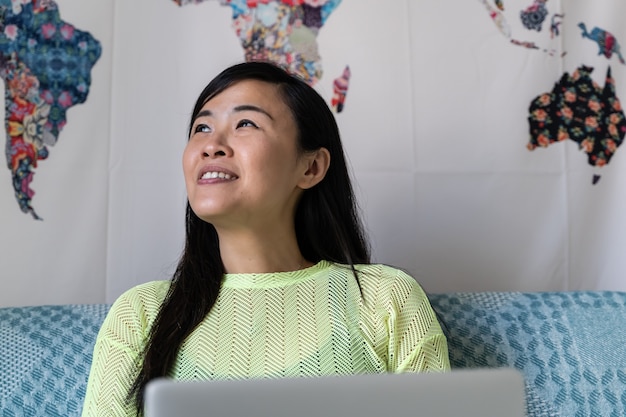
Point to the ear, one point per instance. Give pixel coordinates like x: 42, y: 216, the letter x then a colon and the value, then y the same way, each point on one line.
x: 317, y: 163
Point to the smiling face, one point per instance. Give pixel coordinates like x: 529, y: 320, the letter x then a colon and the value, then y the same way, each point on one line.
x: 242, y: 165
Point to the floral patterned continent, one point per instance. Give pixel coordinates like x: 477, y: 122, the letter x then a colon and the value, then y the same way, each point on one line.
x: 45, y: 64
x: 340, y: 90
x: 280, y: 31
x: 607, y: 43
x: 578, y: 109
x: 533, y: 16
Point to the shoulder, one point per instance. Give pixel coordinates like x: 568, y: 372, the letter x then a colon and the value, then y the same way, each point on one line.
x: 389, y: 284
x: 150, y: 295
x: 141, y: 302
x: 385, y: 275
x: 153, y: 291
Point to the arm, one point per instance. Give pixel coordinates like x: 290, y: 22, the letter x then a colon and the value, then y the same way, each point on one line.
x: 116, y: 353
x: 416, y: 341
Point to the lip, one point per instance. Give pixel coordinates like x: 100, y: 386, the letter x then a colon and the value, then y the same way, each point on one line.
x: 216, y: 168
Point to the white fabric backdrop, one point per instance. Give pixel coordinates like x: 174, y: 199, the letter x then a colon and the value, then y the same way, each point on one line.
x: 434, y: 126
x: 62, y: 259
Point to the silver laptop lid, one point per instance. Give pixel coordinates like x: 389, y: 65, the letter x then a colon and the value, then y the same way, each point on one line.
x: 467, y: 393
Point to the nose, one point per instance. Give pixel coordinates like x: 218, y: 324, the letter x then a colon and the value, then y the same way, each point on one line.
x: 216, y: 145
x: 207, y: 154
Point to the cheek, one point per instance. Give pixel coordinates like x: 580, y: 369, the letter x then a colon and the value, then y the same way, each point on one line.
x: 188, y: 166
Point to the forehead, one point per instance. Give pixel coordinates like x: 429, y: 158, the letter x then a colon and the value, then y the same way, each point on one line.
x: 259, y: 93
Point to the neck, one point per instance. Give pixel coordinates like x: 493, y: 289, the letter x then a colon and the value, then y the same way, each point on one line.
x: 246, y: 252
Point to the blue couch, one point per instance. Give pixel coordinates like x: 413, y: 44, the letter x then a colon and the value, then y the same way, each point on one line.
x: 570, y: 346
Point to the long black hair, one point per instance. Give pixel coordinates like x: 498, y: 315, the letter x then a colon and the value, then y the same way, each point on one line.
x: 326, y: 222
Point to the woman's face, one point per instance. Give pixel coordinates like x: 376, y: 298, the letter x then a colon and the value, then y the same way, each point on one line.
x: 242, y: 164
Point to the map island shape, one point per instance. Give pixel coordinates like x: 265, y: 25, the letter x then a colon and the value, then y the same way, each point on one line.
x: 45, y: 64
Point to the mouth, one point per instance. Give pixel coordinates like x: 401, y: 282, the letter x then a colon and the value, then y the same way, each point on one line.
x: 217, y: 174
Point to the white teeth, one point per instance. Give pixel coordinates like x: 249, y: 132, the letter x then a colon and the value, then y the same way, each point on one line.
x: 211, y: 175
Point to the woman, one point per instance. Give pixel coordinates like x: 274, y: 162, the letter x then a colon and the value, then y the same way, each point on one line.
x: 275, y: 279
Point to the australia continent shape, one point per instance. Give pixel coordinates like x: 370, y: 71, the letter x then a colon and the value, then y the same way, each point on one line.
x: 280, y: 31
x: 45, y: 64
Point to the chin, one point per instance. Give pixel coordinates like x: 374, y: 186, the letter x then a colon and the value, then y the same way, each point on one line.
x: 204, y: 213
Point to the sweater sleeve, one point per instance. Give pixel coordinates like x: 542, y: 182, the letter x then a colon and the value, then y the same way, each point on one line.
x: 416, y: 341
x: 118, y: 346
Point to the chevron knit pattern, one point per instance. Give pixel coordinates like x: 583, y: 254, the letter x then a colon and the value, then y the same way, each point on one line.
x: 305, y: 323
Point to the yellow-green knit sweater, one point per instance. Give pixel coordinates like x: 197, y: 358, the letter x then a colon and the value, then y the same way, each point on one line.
x: 305, y: 323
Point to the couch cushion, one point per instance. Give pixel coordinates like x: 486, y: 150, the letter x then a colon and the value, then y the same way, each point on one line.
x: 46, y: 355
x: 571, y: 346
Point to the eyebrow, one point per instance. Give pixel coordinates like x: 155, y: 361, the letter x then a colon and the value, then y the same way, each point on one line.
x: 243, y: 107
x: 250, y: 107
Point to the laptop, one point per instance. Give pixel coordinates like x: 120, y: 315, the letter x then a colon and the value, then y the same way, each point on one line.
x: 468, y: 393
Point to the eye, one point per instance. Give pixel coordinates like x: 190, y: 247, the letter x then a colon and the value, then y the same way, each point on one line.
x: 246, y: 123
x: 201, y: 128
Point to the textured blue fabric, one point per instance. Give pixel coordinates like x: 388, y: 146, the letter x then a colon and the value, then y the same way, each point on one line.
x: 571, y: 346
x: 46, y: 354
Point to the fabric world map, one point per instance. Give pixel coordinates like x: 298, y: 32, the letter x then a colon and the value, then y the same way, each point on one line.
x: 45, y: 64
x: 285, y: 32
x: 577, y: 108
x: 280, y: 31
